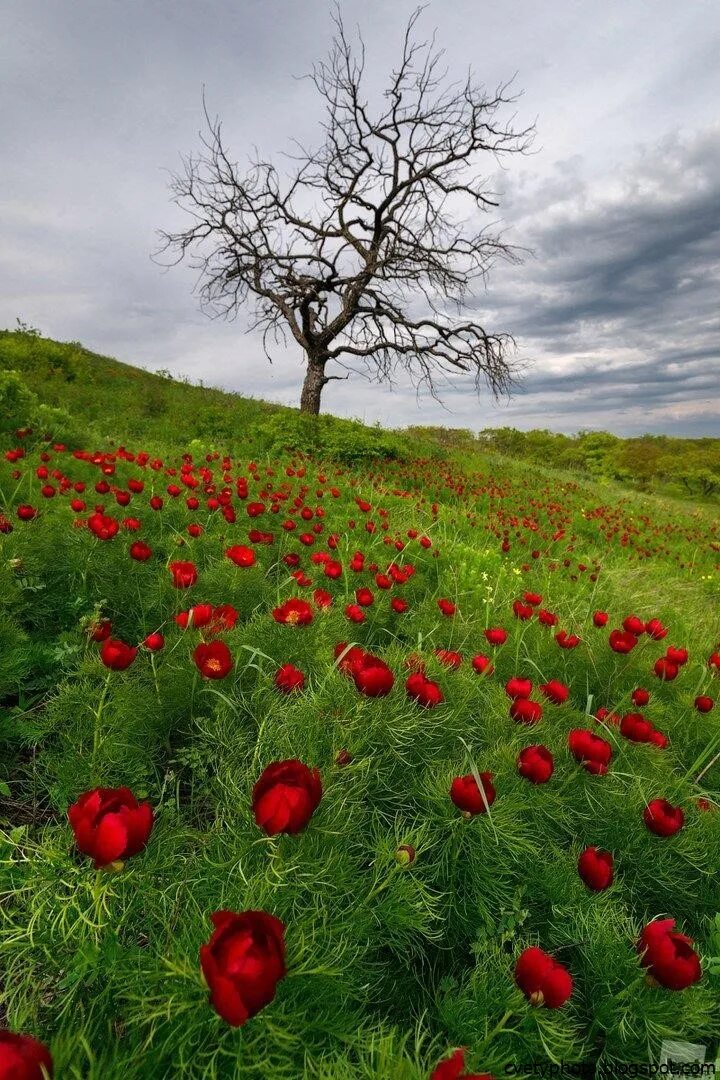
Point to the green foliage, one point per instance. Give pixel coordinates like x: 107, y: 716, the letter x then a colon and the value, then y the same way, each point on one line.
x: 390, y: 965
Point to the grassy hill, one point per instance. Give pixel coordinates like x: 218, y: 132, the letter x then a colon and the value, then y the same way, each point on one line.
x: 196, y: 587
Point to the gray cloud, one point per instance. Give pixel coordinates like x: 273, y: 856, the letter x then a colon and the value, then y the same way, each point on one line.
x: 618, y: 309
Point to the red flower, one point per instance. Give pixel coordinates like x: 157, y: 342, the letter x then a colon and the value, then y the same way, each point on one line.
x: 184, y: 574
x: 676, y: 656
x: 590, y: 750
x: 102, y: 526
x: 518, y: 687
x: 600, y: 618
x: 522, y: 611
x: 285, y: 796
x: 665, y: 669
x: 140, y: 551
x: 536, y: 764
x: 355, y: 613
x: 524, y: 711
x: 322, y: 598
x: 532, y: 598
x: 453, y: 1068
x: 596, y: 868
x: 364, y: 597
x: 655, y: 629
x: 669, y: 956
x: 372, y: 676
x: 496, y: 636
x: 241, y: 555
x: 547, y: 618
x: 294, y: 612
x: 481, y: 664
x: 621, y: 641
x: 449, y: 658
x: 110, y: 824
x: 196, y: 617
x: 636, y: 728
x: 543, y: 980
x: 640, y: 697
x: 398, y: 605
x: 214, y: 660
x: 662, y: 818
x: 116, y: 655
x: 154, y: 642
x: 468, y: 796
x: 634, y: 625
x: 703, y: 703
x: 423, y: 690
x: 289, y: 678
x: 447, y: 607
x: 224, y: 617
x: 243, y: 962
x: 555, y: 691
x: 567, y: 641
x: 101, y: 630
x: 26, y: 513
x: 23, y: 1058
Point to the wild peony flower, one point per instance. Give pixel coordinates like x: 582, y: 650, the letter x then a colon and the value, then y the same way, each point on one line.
x: 662, y: 818
x: 213, y: 660
x: 669, y: 956
x: 467, y: 796
x: 116, y: 655
x: 596, y: 868
x: 536, y: 764
x: 243, y: 962
x: 184, y: 574
x: 23, y: 1058
x: 294, y: 612
x: 542, y: 979
x: 109, y: 824
x: 286, y: 796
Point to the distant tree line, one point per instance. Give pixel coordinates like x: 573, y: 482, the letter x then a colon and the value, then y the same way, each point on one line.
x: 650, y: 462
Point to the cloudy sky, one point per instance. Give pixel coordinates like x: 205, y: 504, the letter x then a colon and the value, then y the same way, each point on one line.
x: 617, y: 310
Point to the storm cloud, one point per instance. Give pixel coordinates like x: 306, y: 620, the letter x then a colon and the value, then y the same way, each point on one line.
x: 616, y: 312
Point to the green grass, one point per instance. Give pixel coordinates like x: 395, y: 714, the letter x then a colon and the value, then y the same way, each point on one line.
x: 389, y: 966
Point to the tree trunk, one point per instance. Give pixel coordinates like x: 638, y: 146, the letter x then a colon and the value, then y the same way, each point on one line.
x: 312, y: 387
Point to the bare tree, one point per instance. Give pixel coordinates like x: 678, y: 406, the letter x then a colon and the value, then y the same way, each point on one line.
x: 339, y: 277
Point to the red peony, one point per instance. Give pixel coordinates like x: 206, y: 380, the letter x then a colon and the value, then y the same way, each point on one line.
x: 496, y: 636
x: 423, y: 690
x: 241, y: 555
x: 140, y: 551
x: 518, y: 687
x: 662, y: 818
x: 596, y: 868
x: 482, y: 664
x: 468, y: 796
x: 243, y: 962
x: 110, y: 824
x: 116, y: 655
x: 703, y: 703
x: 669, y: 956
x: 543, y: 980
x: 23, y: 1058
x: 285, y: 796
x: 453, y: 1068
x: 214, y: 660
x: 555, y: 691
x: 372, y: 676
x: 289, y: 678
x: 184, y: 574
x: 293, y: 612
x: 593, y: 752
x: 524, y: 711
x: 447, y: 607
x: 600, y: 618
x: 536, y: 764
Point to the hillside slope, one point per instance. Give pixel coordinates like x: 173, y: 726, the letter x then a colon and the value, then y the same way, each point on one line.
x: 426, y: 712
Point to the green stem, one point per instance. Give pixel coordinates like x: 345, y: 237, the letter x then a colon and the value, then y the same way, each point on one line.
x: 96, y: 730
